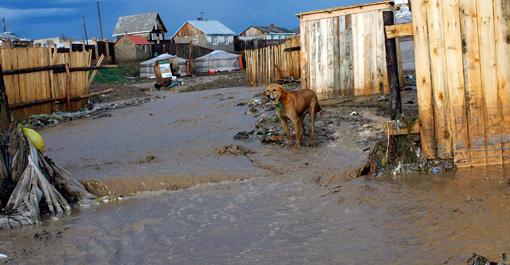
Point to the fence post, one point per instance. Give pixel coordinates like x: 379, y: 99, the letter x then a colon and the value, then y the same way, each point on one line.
x: 5, y: 113
x: 392, y: 65
x: 68, y: 87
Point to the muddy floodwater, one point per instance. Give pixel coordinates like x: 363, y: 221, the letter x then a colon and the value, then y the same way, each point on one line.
x: 276, y: 206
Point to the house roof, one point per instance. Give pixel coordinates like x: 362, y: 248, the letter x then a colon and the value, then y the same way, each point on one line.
x: 272, y: 29
x: 141, y: 23
x: 9, y: 36
x: 209, y: 27
x: 138, y: 40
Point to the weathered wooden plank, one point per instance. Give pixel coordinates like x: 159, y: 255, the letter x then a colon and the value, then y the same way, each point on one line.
x: 502, y: 33
x: 488, y: 60
x: 399, y: 30
x: 473, y: 83
x: 455, y: 80
x: 343, y: 11
x: 374, y: 52
x: 348, y: 65
x: 390, y: 129
x: 368, y: 50
x: 303, y: 54
x: 358, y: 53
x: 439, y: 79
x: 423, y: 78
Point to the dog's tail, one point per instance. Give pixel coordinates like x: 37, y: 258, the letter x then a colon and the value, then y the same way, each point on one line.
x: 318, y: 108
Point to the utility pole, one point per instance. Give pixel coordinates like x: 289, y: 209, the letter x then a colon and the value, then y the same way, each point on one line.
x: 4, y: 24
x: 100, y: 20
x: 85, y: 31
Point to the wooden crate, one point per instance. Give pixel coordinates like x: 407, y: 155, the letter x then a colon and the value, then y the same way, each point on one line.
x: 462, y: 50
x: 343, y: 50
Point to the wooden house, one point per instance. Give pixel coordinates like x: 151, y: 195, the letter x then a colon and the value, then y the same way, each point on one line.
x: 132, y: 48
x: 343, y: 50
x: 210, y: 34
x: 271, y: 32
x: 148, y: 25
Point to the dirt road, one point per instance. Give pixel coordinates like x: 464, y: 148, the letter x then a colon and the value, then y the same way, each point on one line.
x: 275, y: 206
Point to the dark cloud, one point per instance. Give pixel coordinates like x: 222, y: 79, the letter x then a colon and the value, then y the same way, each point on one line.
x: 38, y: 19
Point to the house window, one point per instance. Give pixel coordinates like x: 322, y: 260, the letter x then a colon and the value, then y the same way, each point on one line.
x: 214, y: 40
x: 230, y: 39
x: 221, y: 39
x: 209, y: 39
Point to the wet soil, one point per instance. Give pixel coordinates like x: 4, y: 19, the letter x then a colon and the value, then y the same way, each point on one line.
x: 221, y: 80
x: 270, y: 204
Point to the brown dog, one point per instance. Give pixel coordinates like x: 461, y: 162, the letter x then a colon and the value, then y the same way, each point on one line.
x: 294, y: 106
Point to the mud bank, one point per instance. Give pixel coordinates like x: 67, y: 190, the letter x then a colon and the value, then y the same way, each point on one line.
x: 130, y: 186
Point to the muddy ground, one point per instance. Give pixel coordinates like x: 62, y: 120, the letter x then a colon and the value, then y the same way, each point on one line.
x: 253, y: 203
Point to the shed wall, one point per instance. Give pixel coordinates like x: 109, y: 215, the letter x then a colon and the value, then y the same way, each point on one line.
x: 462, y: 52
x: 344, y: 55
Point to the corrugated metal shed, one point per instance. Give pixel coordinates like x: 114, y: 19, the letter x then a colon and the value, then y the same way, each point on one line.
x: 136, y: 24
x: 209, y: 27
x: 343, y: 50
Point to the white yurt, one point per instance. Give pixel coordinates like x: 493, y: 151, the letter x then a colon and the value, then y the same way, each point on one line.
x: 216, y: 60
x: 147, y: 67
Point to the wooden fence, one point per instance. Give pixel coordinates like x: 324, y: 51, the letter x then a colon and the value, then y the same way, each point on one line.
x: 462, y: 50
x: 273, y: 63
x: 36, y: 92
x: 181, y: 50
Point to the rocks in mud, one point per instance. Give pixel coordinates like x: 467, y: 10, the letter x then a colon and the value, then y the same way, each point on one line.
x: 233, y: 150
x: 243, y: 135
x: 97, y: 188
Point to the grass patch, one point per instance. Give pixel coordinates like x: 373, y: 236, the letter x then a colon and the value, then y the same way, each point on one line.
x: 124, y: 73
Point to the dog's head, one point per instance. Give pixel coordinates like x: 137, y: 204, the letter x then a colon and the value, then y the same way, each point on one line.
x: 274, y: 92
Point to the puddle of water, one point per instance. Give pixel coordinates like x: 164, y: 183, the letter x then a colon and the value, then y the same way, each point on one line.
x: 412, y: 220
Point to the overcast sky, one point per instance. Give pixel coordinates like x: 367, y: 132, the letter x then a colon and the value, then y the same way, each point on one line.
x: 53, y: 18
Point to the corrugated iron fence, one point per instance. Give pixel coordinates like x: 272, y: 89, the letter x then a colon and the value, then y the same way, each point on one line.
x: 36, y: 92
x: 462, y: 50
x: 273, y: 63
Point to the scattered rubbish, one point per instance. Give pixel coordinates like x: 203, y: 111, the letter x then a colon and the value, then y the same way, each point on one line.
x: 34, y: 137
x: 3, y: 256
x: 436, y: 170
x: 481, y: 260
x: 43, y: 120
x: 33, y: 183
x: 354, y: 113
x: 398, y: 169
x: 401, y: 155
